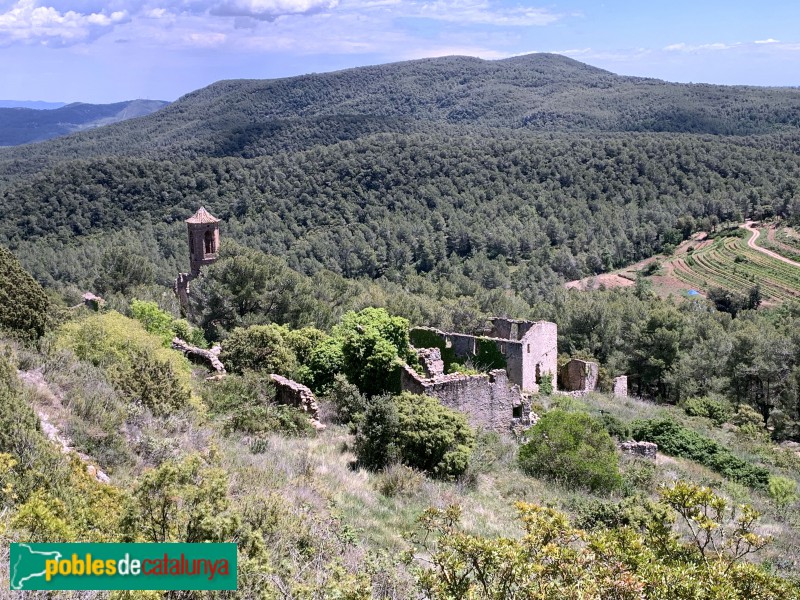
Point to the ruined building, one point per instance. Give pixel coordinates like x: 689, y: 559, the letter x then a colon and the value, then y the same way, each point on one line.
x: 528, y: 348
x: 203, y: 228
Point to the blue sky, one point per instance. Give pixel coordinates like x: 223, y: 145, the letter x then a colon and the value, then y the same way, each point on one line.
x: 93, y: 51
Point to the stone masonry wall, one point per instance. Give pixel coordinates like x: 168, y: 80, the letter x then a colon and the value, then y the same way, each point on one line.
x: 295, y: 394
x: 621, y: 386
x: 539, y: 347
x: 488, y: 400
x: 579, y: 375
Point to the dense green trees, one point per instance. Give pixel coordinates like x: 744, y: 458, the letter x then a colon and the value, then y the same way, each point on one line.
x: 23, y: 303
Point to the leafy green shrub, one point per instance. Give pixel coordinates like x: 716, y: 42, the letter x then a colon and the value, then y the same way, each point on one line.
x: 546, y: 384
x: 325, y: 360
x: 676, y: 440
x: 346, y: 399
x: 572, y: 448
x: 615, y: 427
x: 247, y: 404
x: 432, y: 437
x: 164, y: 325
x: 23, y: 303
x: 783, y: 492
x: 416, y: 431
x: 376, y: 438
x: 372, y: 343
x: 135, y: 361
x: 259, y: 348
x: 718, y: 410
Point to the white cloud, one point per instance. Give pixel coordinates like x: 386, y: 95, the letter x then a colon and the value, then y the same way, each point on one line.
x: 205, y: 39
x: 767, y: 41
x: 27, y: 22
x: 269, y: 10
x: 483, y: 13
x: 682, y: 47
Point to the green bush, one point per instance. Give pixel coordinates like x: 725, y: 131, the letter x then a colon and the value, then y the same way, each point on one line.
x: 246, y: 403
x: 372, y: 343
x: 135, y: 361
x: 416, y: 431
x: 376, y: 438
x: 615, y: 427
x: 346, y: 399
x: 259, y: 348
x: 676, y: 440
x: 432, y: 437
x: 23, y: 303
x: 546, y: 384
x: 718, y: 410
x: 574, y: 449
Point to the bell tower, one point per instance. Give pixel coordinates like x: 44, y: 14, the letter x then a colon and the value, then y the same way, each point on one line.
x: 203, y: 239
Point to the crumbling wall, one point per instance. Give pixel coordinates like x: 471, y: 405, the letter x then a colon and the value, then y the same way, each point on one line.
x: 295, y: 394
x: 181, y: 289
x: 621, y: 386
x: 540, y: 355
x: 644, y: 449
x: 579, y: 375
x: 432, y: 363
x: 489, y: 401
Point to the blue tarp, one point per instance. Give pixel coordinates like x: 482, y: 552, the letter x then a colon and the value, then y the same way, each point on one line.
x: 694, y: 293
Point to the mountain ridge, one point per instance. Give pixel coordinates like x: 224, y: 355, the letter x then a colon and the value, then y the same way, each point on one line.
x: 536, y: 92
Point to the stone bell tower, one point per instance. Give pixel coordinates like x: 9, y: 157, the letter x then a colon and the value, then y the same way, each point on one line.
x: 203, y: 250
x: 203, y: 240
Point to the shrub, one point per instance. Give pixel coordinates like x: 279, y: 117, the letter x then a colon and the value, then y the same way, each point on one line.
x: 376, y: 438
x: 247, y: 404
x: 783, y: 492
x: 372, y: 342
x: 324, y: 361
x: 615, y: 427
x: 23, y: 303
x: 546, y: 384
x: 572, y: 448
x: 676, y: 440
x: 347, y: 400
x: 416, y: 431
x: 718, y: 410
x: 398, y: 480
x: 259, y: 348
x: 432, y: 437
x: 134, y: 360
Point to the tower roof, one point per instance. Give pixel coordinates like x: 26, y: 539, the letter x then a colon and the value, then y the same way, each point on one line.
x: 202, y: 216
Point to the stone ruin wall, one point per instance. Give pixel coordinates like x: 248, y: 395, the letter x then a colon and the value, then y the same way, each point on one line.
x: 295, y: 394
x: 487, y: 400
x: 580, y: 375
x: 621, y: 386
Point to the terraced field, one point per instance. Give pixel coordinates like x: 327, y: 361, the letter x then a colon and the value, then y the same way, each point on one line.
x: 729, y: 263
x: 783, y: 240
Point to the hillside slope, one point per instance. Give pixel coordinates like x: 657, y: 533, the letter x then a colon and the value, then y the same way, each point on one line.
x: 19, y: 125
x: 539, y: 92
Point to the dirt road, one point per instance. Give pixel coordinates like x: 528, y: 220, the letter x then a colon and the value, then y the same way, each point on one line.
x: 752, y: 243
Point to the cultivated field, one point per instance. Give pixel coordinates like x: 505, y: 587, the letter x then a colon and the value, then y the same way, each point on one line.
x: 736, y: 260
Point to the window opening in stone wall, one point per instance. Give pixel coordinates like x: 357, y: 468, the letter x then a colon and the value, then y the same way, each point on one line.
x: 538, y: 374
x: 209, y: 242
x: 516, y: 412
x: 514, y: 331
x: 502, y: 348
x: 529, y: 348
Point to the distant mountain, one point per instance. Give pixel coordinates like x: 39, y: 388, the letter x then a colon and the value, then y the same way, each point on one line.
x: 536, y: 92
x: 37, y: 104
x: 20, y: 125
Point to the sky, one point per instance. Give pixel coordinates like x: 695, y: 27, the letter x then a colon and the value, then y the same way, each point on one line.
x: 93, y: 51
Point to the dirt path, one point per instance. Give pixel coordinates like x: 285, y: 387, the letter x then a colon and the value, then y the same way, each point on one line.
x: 752, y: 243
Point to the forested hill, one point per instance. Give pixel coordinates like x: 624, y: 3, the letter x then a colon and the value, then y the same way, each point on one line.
x: 537, y: 92
x: 21, y: 125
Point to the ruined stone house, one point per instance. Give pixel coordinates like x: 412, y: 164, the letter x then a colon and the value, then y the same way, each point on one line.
x: 529, y: 348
